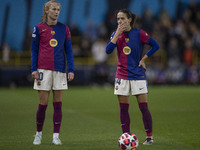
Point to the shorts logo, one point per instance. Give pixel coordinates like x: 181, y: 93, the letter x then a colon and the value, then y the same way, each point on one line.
x: 38, y: 82
x: 141, y: 88
x: 116, y: 87
x: 53, y: 42
x: 126, y: 50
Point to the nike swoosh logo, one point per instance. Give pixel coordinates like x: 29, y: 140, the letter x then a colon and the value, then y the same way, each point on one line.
x: 141, y: 88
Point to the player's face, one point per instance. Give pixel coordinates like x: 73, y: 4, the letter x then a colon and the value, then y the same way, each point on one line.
x: 54, y: 11
x: 123, y: 19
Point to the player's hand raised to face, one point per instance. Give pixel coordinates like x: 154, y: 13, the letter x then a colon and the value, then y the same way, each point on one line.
x: 121, y: 28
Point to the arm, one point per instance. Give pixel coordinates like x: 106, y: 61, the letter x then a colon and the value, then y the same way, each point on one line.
x: 121, y: 28
x: 110, y: 47
x: 69, y: 54
x: 112, y: 44
x: 34, y: 52
x: 70, y: 61
x: 154, y: 48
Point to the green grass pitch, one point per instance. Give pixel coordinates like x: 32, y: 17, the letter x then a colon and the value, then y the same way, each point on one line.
x: 91, y: 119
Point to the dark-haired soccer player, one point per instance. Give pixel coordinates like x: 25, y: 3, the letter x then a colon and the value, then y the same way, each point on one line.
x: 130, y: 75
x: 51, y: 40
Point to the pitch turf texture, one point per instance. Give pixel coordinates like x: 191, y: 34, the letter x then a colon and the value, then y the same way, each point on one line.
x: 91, y: 119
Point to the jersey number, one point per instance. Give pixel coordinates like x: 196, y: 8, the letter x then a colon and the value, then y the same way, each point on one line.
x: 118, y: 81
x: 40, y: 76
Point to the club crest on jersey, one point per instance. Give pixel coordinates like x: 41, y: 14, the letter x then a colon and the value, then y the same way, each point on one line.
x: 53, y: 42
x: 53, y: 32
x: 38, y: 83
x: 126, y: 40
x: 126, y: 50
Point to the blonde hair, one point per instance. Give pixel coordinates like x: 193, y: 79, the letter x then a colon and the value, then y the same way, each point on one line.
x: 46, y: 7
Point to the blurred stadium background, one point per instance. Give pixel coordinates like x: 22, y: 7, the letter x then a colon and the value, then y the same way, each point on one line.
x: 175, y: 24
x: 91, y: 115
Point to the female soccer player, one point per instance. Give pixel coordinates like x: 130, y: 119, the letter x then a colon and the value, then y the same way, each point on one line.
x: 51, y: 40
x: 130, y: 75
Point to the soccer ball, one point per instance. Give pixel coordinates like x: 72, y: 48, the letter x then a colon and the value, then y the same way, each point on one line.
x: 128, y: 141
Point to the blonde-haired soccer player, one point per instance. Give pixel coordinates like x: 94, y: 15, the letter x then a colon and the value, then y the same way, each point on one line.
x: 51, y: 41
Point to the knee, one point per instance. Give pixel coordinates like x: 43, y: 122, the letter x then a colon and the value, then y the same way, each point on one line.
x: 43, y: 101
x: 123, y: 99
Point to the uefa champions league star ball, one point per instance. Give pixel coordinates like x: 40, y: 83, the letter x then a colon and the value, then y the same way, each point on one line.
x: 128, y: 141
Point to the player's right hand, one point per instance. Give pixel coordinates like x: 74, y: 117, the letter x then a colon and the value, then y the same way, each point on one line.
x: 70, y: 76
x: 35, y: 75
x: 121, y: 28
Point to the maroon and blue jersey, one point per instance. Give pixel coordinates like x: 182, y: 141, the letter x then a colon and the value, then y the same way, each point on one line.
x: 49, y: 46
x: 130, y: 47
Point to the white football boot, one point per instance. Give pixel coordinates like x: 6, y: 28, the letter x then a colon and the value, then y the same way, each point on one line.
x: 56, y: 141
x: 38, y: 138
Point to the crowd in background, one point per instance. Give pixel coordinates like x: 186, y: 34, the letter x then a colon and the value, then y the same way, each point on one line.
x: 177, y: 61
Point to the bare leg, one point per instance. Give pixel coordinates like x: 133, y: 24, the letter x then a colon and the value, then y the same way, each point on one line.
x: 43, y: 97
x: 57, y: 96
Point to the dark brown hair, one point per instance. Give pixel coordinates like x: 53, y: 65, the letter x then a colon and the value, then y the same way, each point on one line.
x: 129, y: 14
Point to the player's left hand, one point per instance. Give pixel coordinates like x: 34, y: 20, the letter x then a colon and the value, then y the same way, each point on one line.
x: 142, y: 63
x: 70, y: 76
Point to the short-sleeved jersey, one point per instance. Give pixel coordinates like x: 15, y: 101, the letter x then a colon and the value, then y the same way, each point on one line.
x: 49, y: 45
x: 129, y: 51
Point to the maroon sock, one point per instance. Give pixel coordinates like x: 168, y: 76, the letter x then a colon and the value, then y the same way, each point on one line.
x: 40, y: 117
x: 147, y: 119
x: 57, y: 116
x: 124, y: 117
